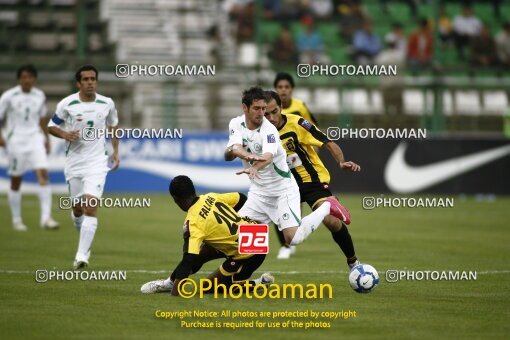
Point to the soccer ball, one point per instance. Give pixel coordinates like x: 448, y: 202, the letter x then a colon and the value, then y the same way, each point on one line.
x: 363, y: 278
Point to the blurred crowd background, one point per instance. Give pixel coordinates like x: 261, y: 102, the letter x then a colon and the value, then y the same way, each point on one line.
x: 453, y: 57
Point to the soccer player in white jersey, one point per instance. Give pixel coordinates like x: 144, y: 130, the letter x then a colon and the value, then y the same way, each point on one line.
x: 26, y: 142
x: 273, y: 194
x: 87, y: 161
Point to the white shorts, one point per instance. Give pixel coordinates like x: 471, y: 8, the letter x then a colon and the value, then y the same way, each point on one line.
x: 92, y: 185
x: 283, y: 210
x: 23, y: 159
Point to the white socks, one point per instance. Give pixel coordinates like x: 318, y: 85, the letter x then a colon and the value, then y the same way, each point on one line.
x: 77, y: 221
x: 44, y: 194
x: 45, y: 200
x: 310, y: 223
x: 88, y: 229
x: 15, y: 204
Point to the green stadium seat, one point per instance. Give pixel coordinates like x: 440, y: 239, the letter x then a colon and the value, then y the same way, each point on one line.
x: 269, y: 30
x: 505, y: 11
x: 339, y: 55
x: 400, y: 12
x: 329, y: 33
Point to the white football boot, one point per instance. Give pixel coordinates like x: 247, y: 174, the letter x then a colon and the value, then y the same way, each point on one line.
x: 80, y: 264
x: 285, y: 252
x: 50, y: 223
x: 157, y: 286
x: 19, y: 226
x: 354, y: 264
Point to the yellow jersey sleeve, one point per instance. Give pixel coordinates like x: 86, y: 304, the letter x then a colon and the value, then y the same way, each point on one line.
x: 230, y: 198
x: 298, y: 108
x: 309, y: 134
x: 307, y: 115
x: 193, y: 237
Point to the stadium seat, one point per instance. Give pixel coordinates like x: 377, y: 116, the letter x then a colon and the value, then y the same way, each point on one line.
x: 326, y: 100
x: 495, y: 102
x: 303, y: 94
x: 467, y: 102
x: 414, y: 102
x: 362, y: 102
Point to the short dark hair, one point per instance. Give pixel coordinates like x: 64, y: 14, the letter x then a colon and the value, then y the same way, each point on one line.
x: 283, y: 76
x: 273, y: 95
x: 252, y: 94
x: 87, y: 67
x: 27, y: 68
x: 182, y: 187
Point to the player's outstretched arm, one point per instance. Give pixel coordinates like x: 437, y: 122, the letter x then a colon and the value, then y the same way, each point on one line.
x: 182, y: 271
x: 115, y: 145
x: 229, y: 154
x: 2, y: 140
x: 263, y: 161
x: 237, y: 150
x: 43, y: 123
x: 338, y: 155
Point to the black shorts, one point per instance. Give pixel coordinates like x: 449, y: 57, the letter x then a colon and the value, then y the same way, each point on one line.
x: 242, y: 269
x: 313, y: 191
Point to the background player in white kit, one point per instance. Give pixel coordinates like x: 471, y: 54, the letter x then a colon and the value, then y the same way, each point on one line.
x: 27, y: 144
x: 86, y: 158
x: 274, y: 194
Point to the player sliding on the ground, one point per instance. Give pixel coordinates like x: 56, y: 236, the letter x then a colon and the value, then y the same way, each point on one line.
x: 274, y: 193
x: 299, y: 137
x: 24, y: 107
x: 86, y: 156
x: 210, y: 231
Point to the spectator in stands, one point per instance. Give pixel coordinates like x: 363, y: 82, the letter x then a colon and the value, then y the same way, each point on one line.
x: 483, y: 49
x: 283, y: 50
x: 465, y: 27
x: 272, y: 9
x: 421, y: 46
x: 319, y: 9
x: 445, y: 27
x: 352, y: 19
x: 392, y: 86
x: 241, y: 12
x: 398, y: 37
x: 282, y: 10
x: 309, y: 43
x: 503, y: 45
x: 366, y: 44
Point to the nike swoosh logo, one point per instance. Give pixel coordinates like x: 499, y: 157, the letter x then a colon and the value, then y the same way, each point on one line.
x: 403, y: 178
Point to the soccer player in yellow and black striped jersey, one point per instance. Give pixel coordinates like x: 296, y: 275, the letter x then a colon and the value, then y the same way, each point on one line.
x: 299, y: 137
x: 284, y: 85
x: 210, y: 231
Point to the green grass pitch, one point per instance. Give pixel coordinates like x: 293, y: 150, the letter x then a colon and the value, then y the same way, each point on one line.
x: 471, y: 236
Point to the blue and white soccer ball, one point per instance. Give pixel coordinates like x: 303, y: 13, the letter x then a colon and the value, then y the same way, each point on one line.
x: 363, y: 278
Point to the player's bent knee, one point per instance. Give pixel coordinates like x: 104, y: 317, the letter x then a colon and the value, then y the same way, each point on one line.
x: 289, y: 234
x: 332, y: 223
x: 90, y: 209
x: 16, y: 183
x: 42, y: 176
x: 77, y: 211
